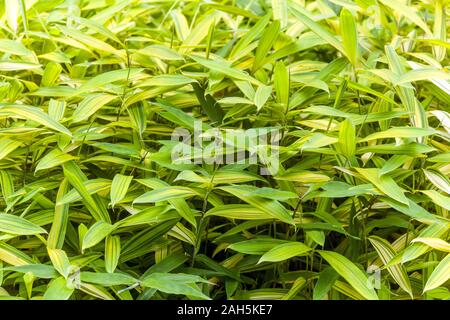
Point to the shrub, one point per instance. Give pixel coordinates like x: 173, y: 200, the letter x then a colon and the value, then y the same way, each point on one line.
x: 334, y: 183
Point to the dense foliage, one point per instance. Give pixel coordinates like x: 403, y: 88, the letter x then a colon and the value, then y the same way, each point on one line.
x: 95, y: 207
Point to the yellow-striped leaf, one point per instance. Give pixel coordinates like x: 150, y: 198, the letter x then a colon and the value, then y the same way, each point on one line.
x: 440, y: 274
x: 112, y: 253
x: 16, y: 225
x: 351, y: 273
x: 119, y: 188
x: 386, y: 252
x: 284, y: 251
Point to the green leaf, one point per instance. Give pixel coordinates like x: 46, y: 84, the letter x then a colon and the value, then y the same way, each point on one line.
x: 347, y: 139
x: 434, y: 243
x: 56, y: 109
x: 7, y: 186
x: 423, y: 74
x: 250, y: 35
x: 53, y: 159
x: 209, y: 104
x: 325, y: 282
x: 96, y: 233
x: 90, y: 105
x: 161, y: 52
x: 108, y: 77
x: 438, y: 179
x: 438, y: 198
x: 112, y: 253
x: 349, y: 35
x: 238, y: 211
x: 13, y: 256
x: 179, y: 117
x: 284, y: 251
x: 178, y: 203
x: 107, y: 279
x: 408, y: 13
x: 224, y: 68
x: 7, y: 146
x: 16, y: 225
x: 119, y: 188
x: 199, y: 32
x: 439, y: 29
x: 58, y: 290
x: 262, y: 94
x: 352, y: 274
x: 60, y: 261
x: 146, y: 216
x: 17, y: 65
x: 92, y: 187
x: 414, y: 250
x: 393, y: 163
x: 266, y: 42
x: 91, y: 42
x: 180, y: 283
x: 386, y: 252
x: 58, y: 230
x: 167, y: 80
x: 413, y: 210
x: 281, y: 82
x: 51, y: 73
x: 440, y: 274
x: 384, y: 183
x: 13, y: 47
x: 411, y: 149
x: 42, y: 271
x: 256, y: 246
x: 303, y: 176
x: 12, y: 14
x: 280, y: 12
x: 33, y: 114
x: 274, y: 194
x: 321, y: 31
x: 405, y: 132
x: 164, y: 194
x: 77, y: 178
x: 270, y: 207
x: 140, y: 243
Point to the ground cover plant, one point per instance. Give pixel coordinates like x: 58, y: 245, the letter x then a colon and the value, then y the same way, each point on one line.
x: 94, y: 206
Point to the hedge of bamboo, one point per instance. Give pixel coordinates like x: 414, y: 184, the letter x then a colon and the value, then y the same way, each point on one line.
x: 349, y: 199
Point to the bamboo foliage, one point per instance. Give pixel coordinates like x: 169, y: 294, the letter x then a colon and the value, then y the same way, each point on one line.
x: 93, y: 204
